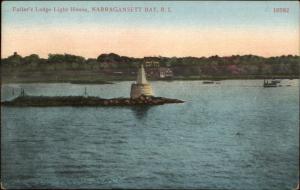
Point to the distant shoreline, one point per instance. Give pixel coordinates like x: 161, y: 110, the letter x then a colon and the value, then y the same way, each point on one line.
x: 112, y: 80
x: 113, y: 67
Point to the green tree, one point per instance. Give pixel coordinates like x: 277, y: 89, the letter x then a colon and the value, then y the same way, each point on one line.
x: 14, y: 59
x: 31, y: 59
x: 66, y: 58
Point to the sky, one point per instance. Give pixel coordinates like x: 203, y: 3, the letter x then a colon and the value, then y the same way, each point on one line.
x: 190, y: 28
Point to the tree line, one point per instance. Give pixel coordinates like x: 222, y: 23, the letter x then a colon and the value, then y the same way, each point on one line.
x: 185, y: 66
x: 163, y: 61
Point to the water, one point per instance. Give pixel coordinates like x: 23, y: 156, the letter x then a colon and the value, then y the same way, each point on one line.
x: 233, y: 135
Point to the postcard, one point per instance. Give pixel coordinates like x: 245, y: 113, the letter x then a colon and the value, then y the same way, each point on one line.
x: 150, y: 94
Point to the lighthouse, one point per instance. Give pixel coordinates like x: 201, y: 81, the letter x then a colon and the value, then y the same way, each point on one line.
x: 141, y: 86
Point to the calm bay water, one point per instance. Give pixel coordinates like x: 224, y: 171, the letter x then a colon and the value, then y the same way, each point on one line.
x: 232, y: 135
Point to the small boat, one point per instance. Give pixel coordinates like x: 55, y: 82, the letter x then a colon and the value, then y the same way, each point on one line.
x: 268, y: 84
x: 208, y: 82
x: 275, y: 81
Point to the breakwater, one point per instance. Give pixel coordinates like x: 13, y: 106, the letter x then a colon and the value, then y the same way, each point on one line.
x: 46, y: 101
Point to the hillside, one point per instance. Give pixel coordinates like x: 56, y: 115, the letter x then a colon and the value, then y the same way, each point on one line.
x: 77, y: 69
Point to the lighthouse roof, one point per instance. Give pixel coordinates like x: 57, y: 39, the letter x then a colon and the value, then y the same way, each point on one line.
x: 141, y: 77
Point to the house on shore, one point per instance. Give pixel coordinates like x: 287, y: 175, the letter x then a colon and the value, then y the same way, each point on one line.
x: 165, y: 72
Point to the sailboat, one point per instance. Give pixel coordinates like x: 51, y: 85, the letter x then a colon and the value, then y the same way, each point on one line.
x: 269, y: 84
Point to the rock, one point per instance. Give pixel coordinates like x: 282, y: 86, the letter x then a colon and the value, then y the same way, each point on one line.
x: 87, y: 101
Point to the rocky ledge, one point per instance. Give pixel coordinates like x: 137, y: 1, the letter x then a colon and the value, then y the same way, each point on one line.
x: 43, y: 101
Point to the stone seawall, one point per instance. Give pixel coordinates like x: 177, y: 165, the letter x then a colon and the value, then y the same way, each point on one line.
x: 46, y: 101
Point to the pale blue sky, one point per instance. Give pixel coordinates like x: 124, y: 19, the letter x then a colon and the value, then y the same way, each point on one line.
x: 184, y: 14
x: 193, y: 28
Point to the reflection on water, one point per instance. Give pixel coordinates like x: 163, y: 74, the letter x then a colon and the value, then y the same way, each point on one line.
x: 140, y: 112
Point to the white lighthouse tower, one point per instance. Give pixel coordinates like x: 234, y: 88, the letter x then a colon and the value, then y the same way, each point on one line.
x: 141, y: 86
